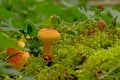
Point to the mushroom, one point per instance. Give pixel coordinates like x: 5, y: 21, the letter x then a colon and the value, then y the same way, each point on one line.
x: 12, y: 51
x: 100, y: 6
x: 101, y: 24
x: 19, y: 60
x: 47, y: 36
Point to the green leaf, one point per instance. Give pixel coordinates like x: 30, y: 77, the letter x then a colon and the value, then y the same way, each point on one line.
x: 2, y: 64
x: 74, y: 14
x: 28, y: 78
x: 114, y: 13
x: 5, y: 13
x: 53, y: 21
x: 6, y: 27
x: 69, y: 3
x: 6, y: 42
x: 29, y: 29
x: 11, y: 71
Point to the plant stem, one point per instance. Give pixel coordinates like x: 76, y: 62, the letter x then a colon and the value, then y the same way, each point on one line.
x: 105, y: 75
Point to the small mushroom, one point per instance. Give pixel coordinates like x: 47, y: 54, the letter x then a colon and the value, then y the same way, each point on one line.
x: 100, y: 6
x: 19, y: 60
x: 47, y: 36
x: 12, y: 51
x: 101, y: 24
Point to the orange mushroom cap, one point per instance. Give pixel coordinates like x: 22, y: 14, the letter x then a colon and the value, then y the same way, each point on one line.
x: 19, y: 60
x: 101, y: 23
x: 12, y: 51
x: 48, y: 35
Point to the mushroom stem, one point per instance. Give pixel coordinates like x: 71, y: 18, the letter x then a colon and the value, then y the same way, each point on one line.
x: 47, y: 51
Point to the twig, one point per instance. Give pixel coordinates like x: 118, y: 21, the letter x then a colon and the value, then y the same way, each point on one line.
x: 105, y: 75
x: 2, y: 52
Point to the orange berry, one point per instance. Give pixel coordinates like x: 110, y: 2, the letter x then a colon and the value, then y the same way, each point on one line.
x: 19, y: 60
x: 101, y: 24
x: 12, y: 51
x: 21, y: 43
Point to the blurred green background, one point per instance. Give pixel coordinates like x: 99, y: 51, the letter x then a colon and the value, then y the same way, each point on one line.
x: 16, y: 12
